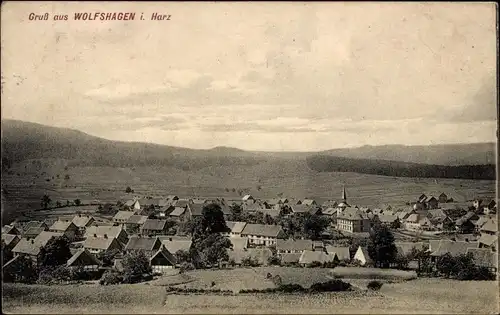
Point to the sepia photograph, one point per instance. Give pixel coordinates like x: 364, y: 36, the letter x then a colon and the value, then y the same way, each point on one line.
x: 249, y: 157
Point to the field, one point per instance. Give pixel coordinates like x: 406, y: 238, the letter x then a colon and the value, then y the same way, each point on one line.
x: 25, y: 186
x: 422, y: 296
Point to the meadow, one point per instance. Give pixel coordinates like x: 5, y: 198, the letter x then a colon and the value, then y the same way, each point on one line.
x: 24, y: 186
x: 420, y: 296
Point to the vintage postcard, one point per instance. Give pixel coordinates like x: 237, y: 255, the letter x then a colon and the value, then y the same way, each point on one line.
x: 249, y: 157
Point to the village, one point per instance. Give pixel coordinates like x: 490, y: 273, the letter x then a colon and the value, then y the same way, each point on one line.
x: 260, y: 233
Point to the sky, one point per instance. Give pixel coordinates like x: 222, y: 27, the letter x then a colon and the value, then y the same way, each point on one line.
x: 286, y: 76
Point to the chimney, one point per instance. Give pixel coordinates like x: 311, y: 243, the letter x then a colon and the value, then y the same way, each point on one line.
x: 105, y: 235
x: 170, y: 239
x: 95, y: 235
x: 32, y: 241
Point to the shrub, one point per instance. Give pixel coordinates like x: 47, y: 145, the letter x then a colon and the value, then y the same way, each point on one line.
x: 374, y: 285
x: 289, y: 288
x: 274, y: 260
x: 277, y: 280
x: 315, y: 264
x: 186, y: 266
x: 250, y: 262
x: 330, y: 286
x: 111, y: 277
x: 51, y: 275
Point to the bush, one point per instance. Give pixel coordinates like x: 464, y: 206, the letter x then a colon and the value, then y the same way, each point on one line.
x: 111, y: 277
x: 315, y: 264
x: 186, y: 266
x: 250, y: 262
x: 52, y: 275
x: 330, y: 286
x: 289, y: 288
x: 374, y: 285
x: 274, y: 260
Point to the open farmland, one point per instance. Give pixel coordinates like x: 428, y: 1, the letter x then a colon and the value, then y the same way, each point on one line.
x: 423, y: 296
x: 264, y: 180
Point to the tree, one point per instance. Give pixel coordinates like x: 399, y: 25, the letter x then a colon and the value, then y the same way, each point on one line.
x: 58, y: 204
x: 209, y: 246
x: 235, y: 212
x: 55, y: 253
x: 6, y: 253
x: 66, y: 177
x: 381, y: 247
x: 23, y: 271
x: 128, y: 190
x: 107, y: 257
x: 77, y: 202
x: 445, y: 265
x: 314, y: 225
x: 396, y: 224
x: 136, y: 266
x: 46, y: 201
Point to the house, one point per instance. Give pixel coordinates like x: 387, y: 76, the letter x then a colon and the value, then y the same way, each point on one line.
x: 465, y: 224
x: 10, y: 229
x: 309, y: 202
x: 261, y: 234
x: 309, y: 257
x: 443, y: 198
x: 411, y: 223
x: 172, y: 197
x: 490, y: 208
x: 490, y: 227
x: 181, y: 203
x: 426, y: 224
x: 353, y: 220
x: 97, y: 245
x: 194, y: 211
x: 154, y: 227
x: 261, y: 255
x: 248, y: 198
x: 37, y: 224
x: 300, y: 209
x: 31, y: 248
x: 362, y: 256
x: 67, y: 228
x: 121, y: 217
x: 484, y: 258
x: 134, y: 223
x: 432, y: 203
x: 179, y: 214
x: 488, y: 241
x: 387, y: 219
x: 403, y: 215
x: 165, y: 211
x: 422, y: 198
x: 342, y: 253
x: 10, y: 241
x: 405, y: 248
x: 109, y: 232
x: 133, y: 205
x: 175, y: 243
x: 454, y: 248
x: 162, y: 260
x: 147, y: 244
x: 33, y: 232
x: 293, y: 246
x: 235, y: 228
x: 290, y: 259
x: 85, y: 260
x: 82, y: 222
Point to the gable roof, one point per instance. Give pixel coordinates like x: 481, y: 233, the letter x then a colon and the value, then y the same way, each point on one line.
x: 260, y: 254
x: 484, y: 257
x: 308, y: 202
x: 351, y: 213
x: 262, y: 230
x: 432, y: 199
x: 9, y: 229
x: 82, y: 220
x: 62, y: 226
x: 101, y: 243
x: 100, y: 231
x: 144, y: 243
x: 123, y: 215
x: 176, y: 245
x: 295, y: 245
x: 181, y: 203
x: 235, y: 226
x: 455, y: 248
x: 34, y: 231
x: 405, y: 248
x: 137, y: 219
x: 341, y: 252
x: 154, y: 224
x: 488, y: 239
x: 82, y: 258
x: 247, y: 197
x: 196, y: 209
x: 364, y: 251
x: 165, y: 253
x: 44, y: 237
x: 309, y: 256
x: 302, y: 208
x: 385, y: 218
x: 9, y: 238
x: 490, y: 226
x: 25, y: 246
x: 178, y: 211
x: 413, y: 218
x: 289, y: 258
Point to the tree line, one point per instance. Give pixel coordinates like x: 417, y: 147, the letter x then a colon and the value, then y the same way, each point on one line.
x: 325, y: 163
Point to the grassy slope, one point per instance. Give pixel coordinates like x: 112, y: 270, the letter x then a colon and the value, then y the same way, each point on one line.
x: 429, y: 296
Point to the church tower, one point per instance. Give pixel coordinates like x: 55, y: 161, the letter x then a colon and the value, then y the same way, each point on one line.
x: 343, y: 204
x: 344, y: 195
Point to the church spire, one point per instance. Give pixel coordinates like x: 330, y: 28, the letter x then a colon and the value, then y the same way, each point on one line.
x: 344, y: 195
